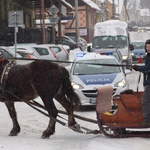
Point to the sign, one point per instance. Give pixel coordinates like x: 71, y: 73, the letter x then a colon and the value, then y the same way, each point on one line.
x: 53, y: 10
x: 15, y: 19
x: 83, y: 32
x: 53, y: 20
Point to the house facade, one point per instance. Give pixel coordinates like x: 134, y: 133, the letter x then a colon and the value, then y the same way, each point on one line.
x: 88, y: 15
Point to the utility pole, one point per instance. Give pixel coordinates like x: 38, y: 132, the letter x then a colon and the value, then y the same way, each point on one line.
x: 77, y: 26
x: 113, y: 9
x: 43, y: 21
x: 53, y: 32
x: 51, y: 2
x: 59, y: 24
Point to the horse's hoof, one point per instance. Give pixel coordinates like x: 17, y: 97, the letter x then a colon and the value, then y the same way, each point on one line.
x: 46, y: 134
x: 75, y: 127
x: 13, y: 134
x: 44, y: 137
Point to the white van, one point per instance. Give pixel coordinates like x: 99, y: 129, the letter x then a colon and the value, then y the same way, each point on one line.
x: 112, y: 34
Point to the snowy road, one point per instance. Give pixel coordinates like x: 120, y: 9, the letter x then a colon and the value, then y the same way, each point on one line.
x: 33, y: 123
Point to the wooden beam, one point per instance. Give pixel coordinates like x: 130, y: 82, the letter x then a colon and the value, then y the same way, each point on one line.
x: 51, y: 2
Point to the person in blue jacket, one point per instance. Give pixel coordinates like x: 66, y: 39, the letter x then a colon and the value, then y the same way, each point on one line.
x: 145, y: 69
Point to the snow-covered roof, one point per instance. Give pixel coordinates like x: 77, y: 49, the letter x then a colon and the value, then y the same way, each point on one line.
x: 66, y: 3
x: 92, y: 4
x: 110, y: 27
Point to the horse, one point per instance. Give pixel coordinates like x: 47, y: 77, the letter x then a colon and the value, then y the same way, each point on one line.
x: 39, y: 78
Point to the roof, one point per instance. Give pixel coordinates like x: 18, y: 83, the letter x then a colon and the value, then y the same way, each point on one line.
x: 92, y: 4
x: 66, y: 3
x: 29, y: 3
x: 110, y: 27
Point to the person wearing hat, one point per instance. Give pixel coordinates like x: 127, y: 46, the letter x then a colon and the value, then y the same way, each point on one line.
x: 145, y: 69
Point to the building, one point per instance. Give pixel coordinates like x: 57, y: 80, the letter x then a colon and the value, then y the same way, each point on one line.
x: 88, y: 15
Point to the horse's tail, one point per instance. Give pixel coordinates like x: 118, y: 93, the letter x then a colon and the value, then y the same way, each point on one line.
x: 69, y: 91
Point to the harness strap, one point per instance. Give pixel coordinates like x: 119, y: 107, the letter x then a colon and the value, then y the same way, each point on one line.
x: 6, y: 71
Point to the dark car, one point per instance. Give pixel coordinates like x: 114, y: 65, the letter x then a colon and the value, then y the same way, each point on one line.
x: 139, y: 51
x: 68, y: 41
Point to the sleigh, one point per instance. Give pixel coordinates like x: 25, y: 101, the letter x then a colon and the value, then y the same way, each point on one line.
x: 124, y: 117
x: 117, y: 117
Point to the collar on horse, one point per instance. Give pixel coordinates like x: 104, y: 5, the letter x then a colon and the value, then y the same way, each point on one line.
x: 5, y: 72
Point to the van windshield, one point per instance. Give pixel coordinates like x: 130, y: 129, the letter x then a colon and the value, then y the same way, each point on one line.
x: 119, y: 41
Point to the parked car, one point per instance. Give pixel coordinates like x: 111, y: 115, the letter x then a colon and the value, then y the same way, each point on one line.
x: 10, y: 54
x: 68, y: 41
x: 52, y: 52
x: 139, y: 50
x: 26, y: 54
x: 88, y: 72
x: 82, y: 43
x: 47, y: 51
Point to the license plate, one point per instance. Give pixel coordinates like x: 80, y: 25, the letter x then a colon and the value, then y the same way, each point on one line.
x: 139, y: 56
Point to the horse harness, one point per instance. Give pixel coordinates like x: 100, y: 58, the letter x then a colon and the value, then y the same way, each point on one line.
x: 35, y: 104
x: 5, y: 72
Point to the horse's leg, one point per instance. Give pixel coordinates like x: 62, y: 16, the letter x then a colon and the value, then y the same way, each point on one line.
x: 52, y: 111
x: 60, y: 97
x: 12, y: 112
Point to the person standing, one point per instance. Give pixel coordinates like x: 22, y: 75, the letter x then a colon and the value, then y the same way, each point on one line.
x: 145, y: 69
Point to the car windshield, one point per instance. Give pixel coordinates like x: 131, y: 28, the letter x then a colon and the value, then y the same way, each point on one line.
x: 87, y: 67
x: 138, y: 45
x: 109, y: 42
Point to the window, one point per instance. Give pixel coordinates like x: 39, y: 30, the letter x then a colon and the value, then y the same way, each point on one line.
x: 41, y: 51
x: 87, y: 67
x: 56, y: 49
x: 6, y: 55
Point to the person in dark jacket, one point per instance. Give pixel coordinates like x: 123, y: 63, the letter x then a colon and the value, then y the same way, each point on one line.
x: 145, y: 69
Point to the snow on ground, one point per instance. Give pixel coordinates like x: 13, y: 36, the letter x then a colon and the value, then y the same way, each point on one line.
x: 33, y: 124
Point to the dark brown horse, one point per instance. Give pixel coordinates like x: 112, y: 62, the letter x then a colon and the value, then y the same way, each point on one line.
x: 41, y: 78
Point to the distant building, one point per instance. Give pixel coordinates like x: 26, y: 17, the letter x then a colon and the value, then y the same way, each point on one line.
x: 88, y: 15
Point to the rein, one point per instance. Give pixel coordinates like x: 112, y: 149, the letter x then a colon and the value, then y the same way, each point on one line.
x: 70, y: 62
x: 33, y: 103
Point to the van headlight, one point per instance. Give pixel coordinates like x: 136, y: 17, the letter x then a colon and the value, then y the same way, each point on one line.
x: 124, y: 57
x: 76, y: 86
x: 121, y: 83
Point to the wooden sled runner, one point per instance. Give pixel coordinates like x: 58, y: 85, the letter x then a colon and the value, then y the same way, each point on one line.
x: 125, y: 120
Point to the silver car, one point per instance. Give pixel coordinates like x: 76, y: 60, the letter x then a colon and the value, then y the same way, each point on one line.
x: 10, y: 54
x: 48, y: 52
x: 53, y: 52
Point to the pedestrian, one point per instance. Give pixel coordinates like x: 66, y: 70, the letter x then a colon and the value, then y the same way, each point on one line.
x: 145, y: 69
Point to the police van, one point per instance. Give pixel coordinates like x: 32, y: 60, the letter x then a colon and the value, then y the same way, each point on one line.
x: 91, y: 70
